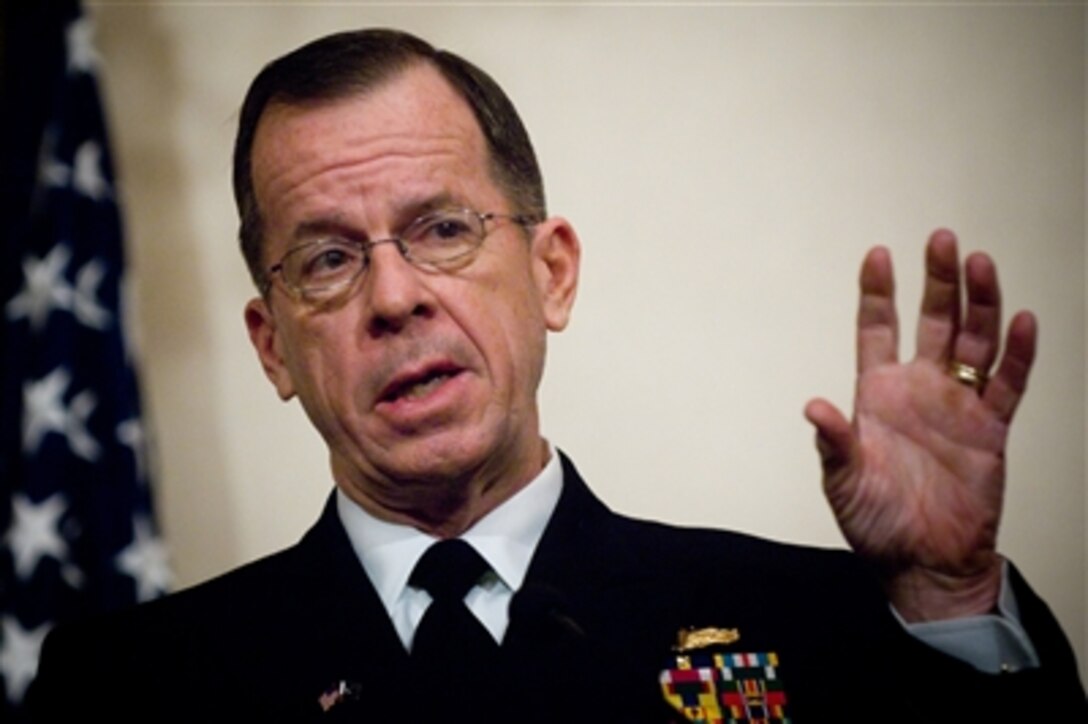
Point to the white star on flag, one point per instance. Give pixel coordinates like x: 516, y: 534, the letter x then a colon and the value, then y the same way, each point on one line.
x: 84, y: 300
x: 79, y: 39
x: 19, y: 655
x: 145, y: 559
x: 35, y: 532
x: 45, y: 288
x: 87, y: 177
x: 44, y: 412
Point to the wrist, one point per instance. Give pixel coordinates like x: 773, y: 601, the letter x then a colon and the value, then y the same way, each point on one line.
x: 921, y: 594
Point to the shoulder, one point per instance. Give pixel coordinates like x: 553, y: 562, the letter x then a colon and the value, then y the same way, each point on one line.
x: 209, y: 635
x: 138, y: 654
x: 694, y: 553
x: 647, y: 570
x: 583, y: 521
x: 205, y: 607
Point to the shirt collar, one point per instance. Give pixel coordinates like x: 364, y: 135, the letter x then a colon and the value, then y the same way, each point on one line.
x: 506, y: 537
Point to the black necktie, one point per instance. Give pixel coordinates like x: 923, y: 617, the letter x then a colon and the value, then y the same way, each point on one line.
x: 451, y: 648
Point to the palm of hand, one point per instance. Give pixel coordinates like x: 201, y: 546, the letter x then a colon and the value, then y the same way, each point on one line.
x: 916, y: 480
x: 928, y: 485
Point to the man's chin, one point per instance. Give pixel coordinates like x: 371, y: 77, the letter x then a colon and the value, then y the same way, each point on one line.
x: 437, y: 458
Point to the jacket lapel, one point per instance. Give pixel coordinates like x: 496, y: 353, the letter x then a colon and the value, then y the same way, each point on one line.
x: 353, y: 657
x: 581, y: 634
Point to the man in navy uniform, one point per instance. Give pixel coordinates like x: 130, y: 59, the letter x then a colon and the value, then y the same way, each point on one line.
x: 393, y: 219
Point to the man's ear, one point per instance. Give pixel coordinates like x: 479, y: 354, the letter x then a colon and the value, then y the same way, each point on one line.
x: 265, y: 338
x: 557, y: 256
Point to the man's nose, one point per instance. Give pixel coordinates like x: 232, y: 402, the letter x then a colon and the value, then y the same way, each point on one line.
x: 393, y: 291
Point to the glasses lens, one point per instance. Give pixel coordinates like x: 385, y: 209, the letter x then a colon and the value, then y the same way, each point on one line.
x: 443, y: 236
x: 322, y: 265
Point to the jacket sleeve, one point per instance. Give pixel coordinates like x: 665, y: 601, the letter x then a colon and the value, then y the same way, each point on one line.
x: 966, y: 694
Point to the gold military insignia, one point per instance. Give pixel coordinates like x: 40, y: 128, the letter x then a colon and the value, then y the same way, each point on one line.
x: 692, y: 639
x: 717, y: 686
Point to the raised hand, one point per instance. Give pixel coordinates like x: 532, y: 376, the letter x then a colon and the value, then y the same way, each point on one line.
x: 916, y: 479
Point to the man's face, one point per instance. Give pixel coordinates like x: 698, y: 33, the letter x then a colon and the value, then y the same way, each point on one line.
x: 418, y: 377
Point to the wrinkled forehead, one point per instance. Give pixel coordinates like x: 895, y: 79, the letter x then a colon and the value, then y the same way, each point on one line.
x: 415, y: 110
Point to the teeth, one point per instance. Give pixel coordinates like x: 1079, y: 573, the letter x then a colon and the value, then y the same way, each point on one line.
x: 420, y: 389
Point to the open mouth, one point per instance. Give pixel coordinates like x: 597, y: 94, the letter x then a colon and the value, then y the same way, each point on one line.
x: 414, y: 387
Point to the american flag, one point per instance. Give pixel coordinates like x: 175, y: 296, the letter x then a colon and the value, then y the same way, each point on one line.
x: 77, y: 533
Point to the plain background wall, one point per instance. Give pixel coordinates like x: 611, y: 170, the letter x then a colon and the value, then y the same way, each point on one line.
x: 726, y: 166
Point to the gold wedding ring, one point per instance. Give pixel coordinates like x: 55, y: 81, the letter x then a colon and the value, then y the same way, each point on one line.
x: 966, y: 374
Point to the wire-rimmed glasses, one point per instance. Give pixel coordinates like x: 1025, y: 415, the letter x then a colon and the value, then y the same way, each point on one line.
x: 438, y: 241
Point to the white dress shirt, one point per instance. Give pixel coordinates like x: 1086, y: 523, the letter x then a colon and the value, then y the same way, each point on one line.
x: 508, y: 536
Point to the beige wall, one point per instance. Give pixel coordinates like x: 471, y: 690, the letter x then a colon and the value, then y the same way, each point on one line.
x: 726, y: 167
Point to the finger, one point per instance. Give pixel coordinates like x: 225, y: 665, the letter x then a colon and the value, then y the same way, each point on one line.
x: 1006, y: 387
x: 979, y: 338
x: 940, y: 317
x: 878, y: 325
x: 834, y: 436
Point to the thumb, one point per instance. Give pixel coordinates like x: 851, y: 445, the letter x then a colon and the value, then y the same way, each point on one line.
x: 834, y: 437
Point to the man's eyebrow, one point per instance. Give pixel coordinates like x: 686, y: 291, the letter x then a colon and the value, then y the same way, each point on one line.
x: 404, y: 213
x: 322, y: 226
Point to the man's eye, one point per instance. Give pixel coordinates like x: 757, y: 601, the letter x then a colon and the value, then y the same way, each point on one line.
x: 328, y: 261
x: 444, y: 231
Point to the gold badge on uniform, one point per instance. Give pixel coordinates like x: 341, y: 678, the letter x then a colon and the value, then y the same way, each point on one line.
x: 690, y: 639
x: 710, y: 686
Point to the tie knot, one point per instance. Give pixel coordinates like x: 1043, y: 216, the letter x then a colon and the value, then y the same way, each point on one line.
x: 448, y: 569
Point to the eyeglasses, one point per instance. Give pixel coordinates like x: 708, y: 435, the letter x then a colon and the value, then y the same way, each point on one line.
x: 318, y: 271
